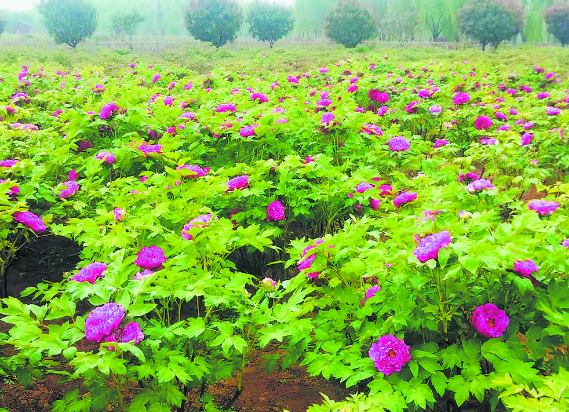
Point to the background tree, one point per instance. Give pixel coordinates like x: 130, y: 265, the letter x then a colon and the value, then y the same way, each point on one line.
x: 349, y: 24
x: 69, y: 21
x: 436, y: 18
x: 269, y: 22
x: 557, y: 18
x: 214, y: 21
x: 310, y: 16
x: 124, y: 25
x: 491, y: 21
x: 402, y: 25
x: 2, y: 25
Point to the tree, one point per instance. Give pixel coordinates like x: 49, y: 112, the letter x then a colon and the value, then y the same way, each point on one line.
x: 349, y: 24
x: 69, y: 21
x: 125, y: 24
x: 491, y: 21
x: 436, y: 18
x: 269, y: 22
x: 402, y: 25
x: 2, y: 25
x: 214, y: 21
x: 557, y: 19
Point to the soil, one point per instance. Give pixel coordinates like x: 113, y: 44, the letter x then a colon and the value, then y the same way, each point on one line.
x: 46, y: 258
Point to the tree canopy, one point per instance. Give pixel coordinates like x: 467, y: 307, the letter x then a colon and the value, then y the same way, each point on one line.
x: 557, y: 19
x: 349, y: 24
x: 69, y: 21
x: 269, y: 22
x: 214, y: 21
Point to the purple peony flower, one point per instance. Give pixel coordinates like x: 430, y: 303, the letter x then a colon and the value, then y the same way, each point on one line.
x: 260, y: 97
x: 199, y: 172
x: 460, y: 98
x: 429, y: 246
x: 141, y: 275
x: 543, y: 207
x: 501, y: 116
x: 553, y: 110
x: 91, y: 272
x: 467, y: 177
x: 71, y: 188
x: 106, y: 157
x: 275, y: 211
x: 32, y: 221
x: 8, y: 162
x: 374, y: 204
x: 404, y: 197
x: 490, y: 321
x: 542, y: 95
x: 528, y: 125
x: 389, y: 354
x: 489, y: 141
x: 119, y: 214
x: 504, y: 127
x: 412, y: 107
x: 565, y: 243
x: 132, y: 332
x: 327, y: 118
x: 378, y: 96
x: 526, y: 268
x: 200, y: 221
x: 150, y: 148
x: 370, y: 293
x: 478, y: 185
x: 108, y: 109
x: 440, y: 143
x: 399, y: 144
x: 103, y: 321
x: 225, y: 107
x: 362, y: 187
x: 483, y: 123
x: 424, y: 93
x: 353, y: 88
x: 369, y: 128
x: 435, y: 109
x: 156, y: 78
x: 526, y: 138
x: 150, y: 257
x: 248, y: 130
x: 239, y: 182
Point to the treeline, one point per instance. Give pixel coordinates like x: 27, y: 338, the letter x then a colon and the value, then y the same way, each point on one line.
x: 393, y: 20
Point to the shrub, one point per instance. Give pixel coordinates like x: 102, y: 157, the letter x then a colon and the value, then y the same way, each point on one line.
x: 269, y: 22
x: 557, y: 18
x: 214, y: 21
x: 125, y: 24
x: 349, y: 24
x: 69, y: 21
x: 491, y: 21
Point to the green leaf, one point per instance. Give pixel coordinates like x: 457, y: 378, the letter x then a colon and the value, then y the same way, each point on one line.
x: 272, y: 360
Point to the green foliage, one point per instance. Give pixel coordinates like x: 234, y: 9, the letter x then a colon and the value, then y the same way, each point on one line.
x: 214, y: 21
x: 349, y: 24
x: 2, y: 25
x: 69, y: 21
x: 491, y: 21
x: 268, y: 21
x: 557, y: 18
x: 125, y: 24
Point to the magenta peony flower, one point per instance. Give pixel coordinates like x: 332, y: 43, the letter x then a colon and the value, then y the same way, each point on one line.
x: 389, y: 354
x: 501, y: 116
x: 467, y: 177
x: 32, y: 221
x: 106, y: 157
x: 543, y: 207
x: 411, y: 107
x: 374, y: 204
x: 505, y: 127
x: 460, y: 98
x: 73, y: 174
x: 429, y: 246
x: 369, y: 128
x: 542, y: 95
x: 150, y: 148
x: 120, y: 214
x: 553, y: 110
x: 83, y: 145
x: 91, y: 272
x: 225, y: 107
x: 565, y: 243
x: 132, y: 332
x: 327, y: 118
x: 141, y: 275
x: 239, y: 182
x: 260, y: 97
x: 378, y: 96
x: 353, y: 88
x: 248, y: 130
x: 483, y: 123
x: 150, y: 257
x: 14, y: 190
x: 478, y: 185
x: 404, y: 197
x: 156, y: 78
x: 362, y: 187
x: 424, y: 93
x: 528, y: 125
x: 440, y: 143
x: 103, y: 321
x: 488, y: 141
x: 200, y: 221
x: 108, y: 109
x: 370, y: 293
x: 399, y: 144
x: 490, y: 321
x: 275, y: 211
x: 526, y: 138
x: 526, y: 268
x: 199, y: 172
x: 8, y: 162
x: 71, y: 188
x: 435, y: 109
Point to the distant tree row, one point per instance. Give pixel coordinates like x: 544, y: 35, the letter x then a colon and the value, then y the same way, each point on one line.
x: 348, y: 22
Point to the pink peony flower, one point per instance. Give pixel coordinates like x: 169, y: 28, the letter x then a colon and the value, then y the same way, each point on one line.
x: 168, y: 100
x: 378, y: 96
x: 389, y: 354
x: 150, y: 257
x: 260, y: 97
x: 239, y: 182
x: 412, y: 107
x: 488, y: 141
x: 370, y: 293
x: 489, y: 320
x: 108, y: 109
x: 199, y: 172
x: 91, y: 272
x: 565, y: 243
x: 526, y: 268
x: 399, y: 144
x: 106, y: 157
x: 543, y: 207
x: 542, y: 95
x: 132, y: 332
x: 369, y: 128
x: 119, y: 214
x: 275, y: 211
x: 248, y: 130
x: 526, y: 138
x: 440, y: 143
x: 268, y: 284
x: 483, y: 123
x: 435, y: 109
x: 327, y: 118
x: 362, y: 187
x: 156, y: 78
x: 32, y: 221
x: 141, y: 275
x: 478, y: 185
x: 71, y: 188
x: 225, y: 107
x: 8, y: 162
x: 553, y: 110
x: 103, y: 321
x: 199, y: 222
x: 404, y: 197
x: 467, y: 177
x: 429, y: 246
x: 460, y: 98
x: 374, y: 204
x: 150, y: 148
x: 528, y: 125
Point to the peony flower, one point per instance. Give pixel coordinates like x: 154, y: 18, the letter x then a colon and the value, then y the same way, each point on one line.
x: 91, y: 272
x: 132, y: 332
x: 435, y: 109
x: 119, y: 214
x: 399, y: 144
x: 8, y: 162
x: 369, y: 128
x: 362, y: 187
x: 150, y: 257
x: 389, y: 354
x: 370, y: 293
x: 528, y: 125
x: 239, y: 182
x: 108, y: 109
x: 505, y: 127
x: 404, y: 197
x: 141, y: 275
x: 83, y: 145
x: 490, y: 321
x: 225, y: 107
x: 553, y: 110
x: 199, y: 172
x: 268, y: 284
x: 478, y: 185
x: 103, y: 321
x: 467, y: 177
x: 565, y: 243
x: 374, y: 204
x: 71, y: 188
x: 327, y: 118
x: 411, y: 107
x: 440, y: 143
x: 488, y: 141
x: 378, y: 96
x: 32, y: 221
x: 156, y: 78
x: 248, y: 130
x: 501, y: 116
x: 200, y: 221
x: 14, y: 190
x: 460, y: 98
x: 483, y: 123
x: 543, y: 207
x: 429, y: 246
x: 150, y: 148
x: 260, y: 97
x: 526, y: 268
x: 106, y: 157
x: 526, y: 138
x: 275, y: 211
x: 543, y: 95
